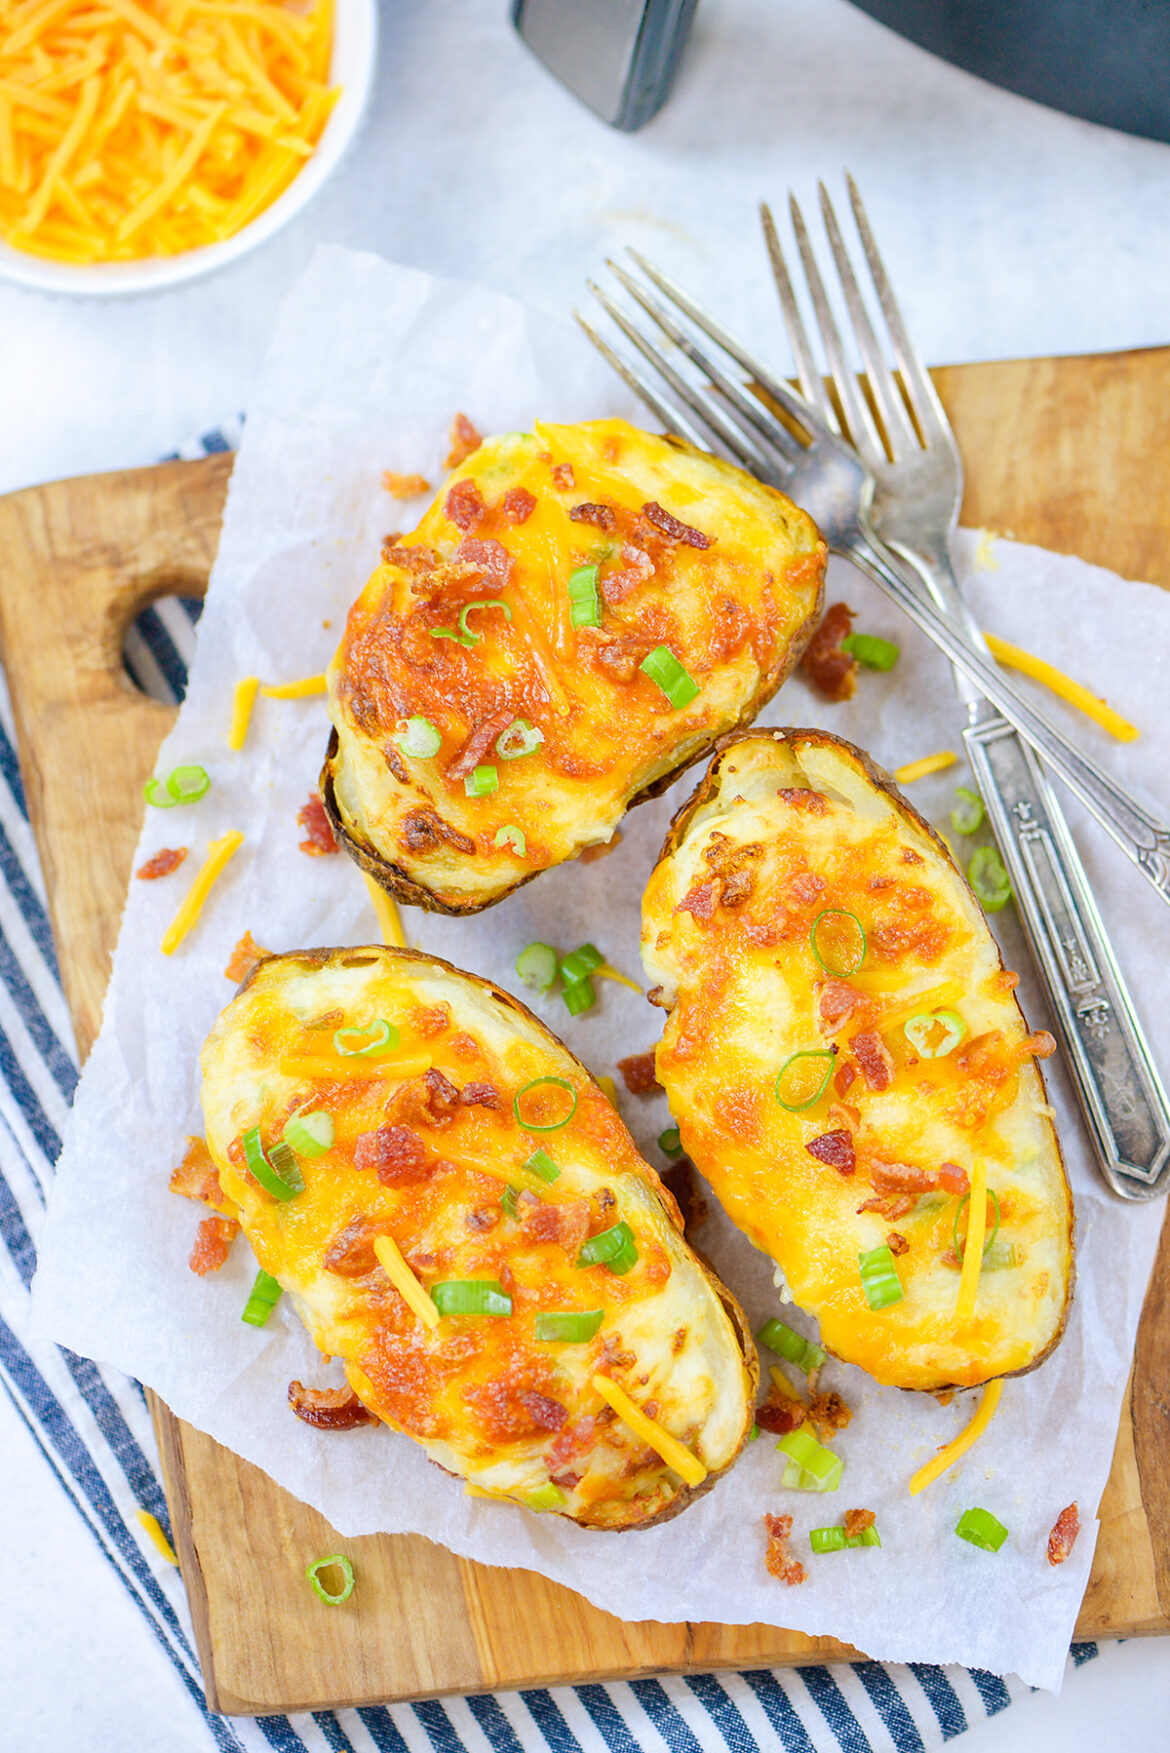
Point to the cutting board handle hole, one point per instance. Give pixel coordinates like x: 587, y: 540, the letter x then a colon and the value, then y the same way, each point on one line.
x: 159, y: 643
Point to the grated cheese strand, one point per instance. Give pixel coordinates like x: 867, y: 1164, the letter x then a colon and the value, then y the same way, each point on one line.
x: 928, y: 764
x: 973, y: 1247
x: 154, y: 1528
x: 678, y: 1458
x: 1016, y: 658
x: 243, y: 701
x: 295, y: 690
x: 605, y: 972
x: 966, y: 1439
x: 785, y: 1386
x: 218, y: 854
x: 386, y: 913
x: 606, y: 1084
x: 404, y: 1281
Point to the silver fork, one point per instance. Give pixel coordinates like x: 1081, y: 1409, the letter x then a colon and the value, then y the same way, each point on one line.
x: 825, y: 475
x: 918, y: 489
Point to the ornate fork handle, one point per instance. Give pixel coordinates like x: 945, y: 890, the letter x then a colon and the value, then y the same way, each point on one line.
x: 1142, y: 837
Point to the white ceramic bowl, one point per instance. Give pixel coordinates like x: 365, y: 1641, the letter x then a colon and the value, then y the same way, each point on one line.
x: 355, y: 45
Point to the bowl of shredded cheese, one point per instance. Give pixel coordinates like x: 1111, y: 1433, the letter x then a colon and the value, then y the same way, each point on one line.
x: 146, y: 142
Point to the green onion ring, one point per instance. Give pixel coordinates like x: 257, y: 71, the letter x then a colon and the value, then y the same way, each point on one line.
x: 489, y: 603
x: 806, y: 1053
x: 262, y: 1299
x: 917, y: 1029
x: 567, y: 1326
x: 471, y: 1296
x: 967, y: 815
x: 980, y: 1528
x: 322, y: 1593
x: 385, y: 1041
x: 277, y: 1172
x: 839, y: 913
x: 987, y: 1240
x: 539, y: 1083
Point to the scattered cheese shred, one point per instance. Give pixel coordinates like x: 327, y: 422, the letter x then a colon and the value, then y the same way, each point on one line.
x: 1016, y: 658
x: 242, y: 703
x: 154, y: 1528
x: 405, y: 1283
x: 330, y: 1067
x: 295, y: 690
x: 965, y: 1440
x: 386, y: 913
x: 680, y: 1459
x: 218, y: 854
x: 605, y: 972
x: 973, y: 1247
x: 927, y: 765
x: 132, y: 128
x: 780, y: 1380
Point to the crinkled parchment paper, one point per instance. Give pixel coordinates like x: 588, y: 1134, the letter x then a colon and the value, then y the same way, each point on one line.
x: 368, y: 364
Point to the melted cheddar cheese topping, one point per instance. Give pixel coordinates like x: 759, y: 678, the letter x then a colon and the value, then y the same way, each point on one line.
x: 789, y: 826
x: 418, y: 1175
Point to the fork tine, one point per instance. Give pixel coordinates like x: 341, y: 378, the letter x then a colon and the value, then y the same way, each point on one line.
x: 862, y: 431
x: 808, y: 375
x: 903, y: 440
x: 672, y: 417
x: 923, y: 396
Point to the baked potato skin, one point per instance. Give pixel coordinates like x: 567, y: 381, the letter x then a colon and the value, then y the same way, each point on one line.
x: 736, y: 596
x: 744, y: 992
x: 485, y: 1400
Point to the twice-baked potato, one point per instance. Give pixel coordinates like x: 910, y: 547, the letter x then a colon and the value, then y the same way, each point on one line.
x: 580, y: 614
x: 476, y: 1238
x: 848, y: 1065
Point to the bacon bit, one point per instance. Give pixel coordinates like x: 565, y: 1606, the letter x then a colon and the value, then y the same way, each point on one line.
x: 404, y: 486
x: 699, y: 901
x: 901, y: 1178
x: 835, y: 1002
x: 832, y: 671
x: 430, y: 1100
x: 891, y: 1206
x: 414, y: 560
x: 430, y: 1020
x: 423, y: 830
x: 464, y: 506
x: 246, y: 956
x: 196, y: 1177
x: 616, y: 586
x: 389, y: 543
x: 829, y: 1413
x: 394, y: 1154
x: 462, y: 442
x: 950, y: 1258
x: 638, y: 1073
x: 165, y: 860
x: 351, y: 1252
x: 329, y: 1408
x: 844, y: 1077
x: 480, y: 1095
x: 843, y: 1114
x: 1064, y: 1532
x: 835, y: 1149
x: 545, y: 1412
x: 802, y: 889
x: 874, y: 1057
x: 517, y: 505
x: 679, y: 1181
x: 213, y: 1238
x: 779, y: 1415
x: 320, y: 841
x: 487, y: 556
x: 897, y: 1244
x: 571, y: 1442
x: 483, y: 1218
x: 784, y: 1569
x: 602, y: 850
x: 602, y: 517
x: 563, y: 476
x: 565, y: 1225
x: 671, y: 527
x: 857, y: 1521
x: 953, y: 1179
x: 479, y: 742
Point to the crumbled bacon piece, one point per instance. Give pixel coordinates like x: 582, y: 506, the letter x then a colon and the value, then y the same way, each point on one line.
x: 164, y: 861
x: 430, y: 1020
x: 482, y: 1219
x: 213, y: 1238
x: 389, y: 543
x: 394, y: 1154
x: 479, y: 742
x: 563, y: 476
x: 424, y: 829
x: 638, y: 1073
x: 571, y: 1442
x: 415, y: 560
x: 487, y: 556
x: 480, y: 1095
x: 901, y: 1178
x: 857, y: 1521
x: 565, y: 1225
x: 953, y: 1179
x: 802, y: 888
x: 835, y: 1149
x: 827, y: 667
x: 1064, y: 1532
x: 602, y: 517
x: 699, y: 900
x: 836, y: 1001
x: 897, y: 1243
x: 874, y: 1057
x: 196, y: 1177
x: 329, y: 1408
x: 842, y: 1115
x: 517, y: 505
x: 673, y: 529
x: 636, y: 568
x: 779, y: 1415
x: 246, y: 956
x: 784, y: 1569
x: 351, y: 1252
x: 843, y: 1077
x: 404, y: 486
x: 801, y: 797
x: 464, y: 505
x: 462, y: 442
x: 891, y: 1206
x: 545, y: 1412
x: 828, y: 1412
x: 320, y: 840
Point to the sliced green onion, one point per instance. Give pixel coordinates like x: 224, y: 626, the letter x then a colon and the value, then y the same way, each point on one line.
x: 999, y: 1256
x: 537, y: 966
x: 277, y: 1173
x: 541, y: 1164
x: 262, y: 1299
x: 796, y: 1479
x: 490, y: 603
x: 567, y: 1327
x: 481, y: 782
x: 879, y: 1278
x: 800, y: 1081
x: 989, y: 1240
x: 988, y: 876
x: 837, y: 1540
x: 379, y: 1037
x: 540, y: 1083
x: 874, y: 653
x: 980, y: 1528
x: 418, y: 738
x: 511, y: 1195
x: 309, y: 1134
x: 580, y: 962
x: 471, y: 1296
x: 184, y: 785
x: 670, y: 1142
x: 579, y: 997
x: 322, y: 1593
x: 753, y: 1433
x: 785, y: 1343
x: 663, y: 667
x: 802, y: 1447
x: 614, y: 1248
x: 967, y: 815
x: 467, y: 639
x: 548, y: 1497
x: 510, y: 835
x: 838, y: 944
x: 935, y: 1033
x: 520, y: 738
x: 584, y: 603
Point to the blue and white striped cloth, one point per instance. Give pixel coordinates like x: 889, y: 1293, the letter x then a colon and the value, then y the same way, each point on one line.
x: 92, y: 1427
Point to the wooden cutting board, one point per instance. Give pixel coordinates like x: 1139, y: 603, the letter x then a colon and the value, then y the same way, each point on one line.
x: 1072, y: 454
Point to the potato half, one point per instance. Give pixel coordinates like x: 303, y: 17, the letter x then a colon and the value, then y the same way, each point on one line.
x: 478, y: 624
x: 430, y: 1134
x: 751, y: 922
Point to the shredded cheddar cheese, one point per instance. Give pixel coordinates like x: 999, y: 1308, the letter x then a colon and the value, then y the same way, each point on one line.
x: 973, y: 1247
x: 1016, y: 658
x: 780, y: 1380
x: 923, y: 768
x: 686, y: 1465
x: 295, y: 690
x: 242, y: 703
x: 132, y: 128
x: 405, y: 1283
x: 218, y: 854
x: 386, y: 913
x: 154, y: 1528
x: 605, y: 972
x: 965, y: 1440
x: 349, y: 1066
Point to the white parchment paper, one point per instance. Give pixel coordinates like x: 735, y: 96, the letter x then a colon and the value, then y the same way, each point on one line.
x: 367, y: 366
